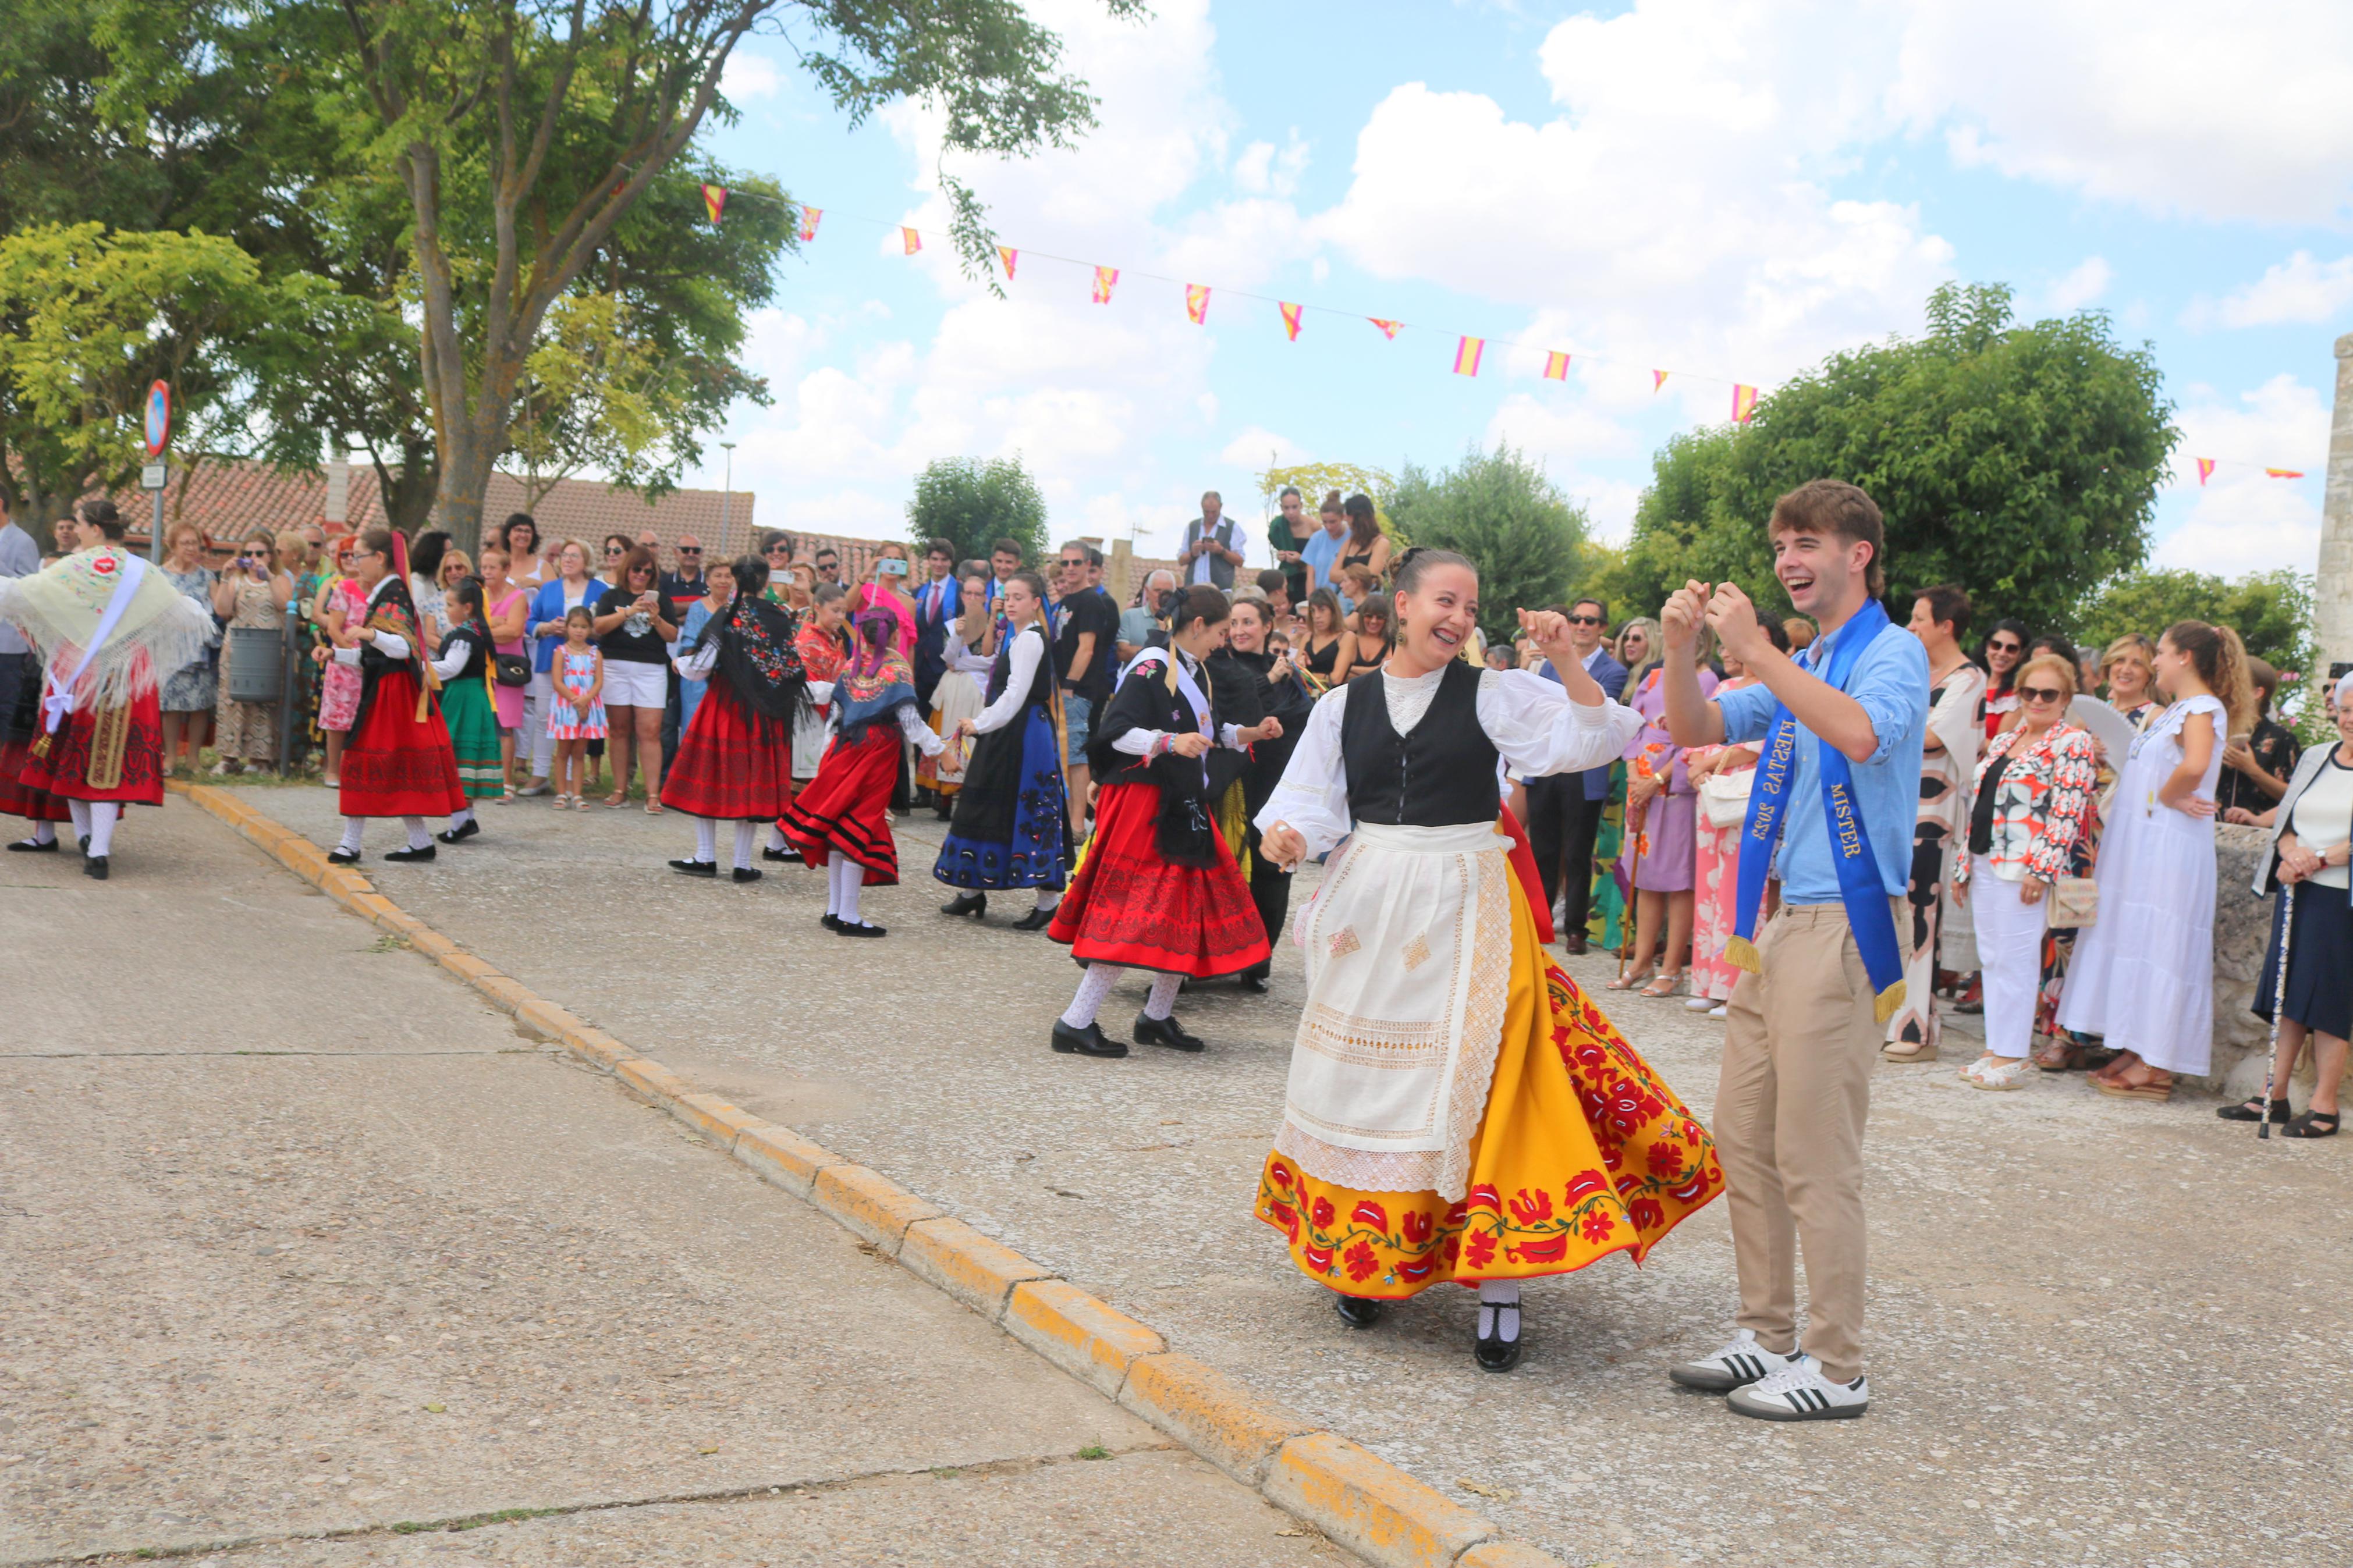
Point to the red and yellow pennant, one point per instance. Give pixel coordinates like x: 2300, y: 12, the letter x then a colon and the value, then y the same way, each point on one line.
x: 1106, y: 280
x: 910, y: 239
x: 1466, y: 355
x: 1658, y: 379
x: 1290, y: 319
x: 1197, y: 303
x: 1744, y: 403
x: 1556, y: 365
x: 2205, y: 469
x: 715, y: 201
x: 1388, y: 329
x: 1008, y: 255
x: 809, y: 217
x: 2284, y: 473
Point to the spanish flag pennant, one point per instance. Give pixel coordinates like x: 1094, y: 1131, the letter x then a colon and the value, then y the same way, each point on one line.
x: 1744, y: 403
x: 1658, y: 379
x: 1008, y: 255
x: 715, y: 201
x: 2284, y: 473
x: 910, y: 239
x: 1106, y: 280
x: 1290, y: 319
x: 2205, y: 469
x: 809, y: 217
x: 1556, y: 365
x: 1466, y: 355
x: 1388, y: 329
x: 1197, y: 303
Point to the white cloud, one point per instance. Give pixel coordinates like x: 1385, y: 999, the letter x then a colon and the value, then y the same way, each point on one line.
x: 749, y: 76
x: 2082, y: 285
x: 1254, y: 446
x: 2241, y: 524
x: 2283, y: 424
x: 2299, y: 289
x: 2242, y: 520
x: 2173, y: 106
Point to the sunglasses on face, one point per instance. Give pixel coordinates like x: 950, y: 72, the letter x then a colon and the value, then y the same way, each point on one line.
x: 1584, y: 620
x: 615, y: 550
x: 2001, y: 647
x: 2040, y: 694
x: 689, y: 549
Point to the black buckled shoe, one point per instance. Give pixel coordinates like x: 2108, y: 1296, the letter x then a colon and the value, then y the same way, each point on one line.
x: 1035, y: 919
x: 857, y: 928
x: 28, y: 847
x: 1087, y: 1042
x: 95, y: 867
x: 787, y: 855
x: 1357, y: 1312
x: 1492, y: 1351
x: 459, y: 834
x: 973, y: 904
x: 342, y: 856
x: 425, y: 853
x: 746, y: 874
x: 1253, y: 981
x: 1166, y: 1032
x: 695, y: 867
x: 830, y: 921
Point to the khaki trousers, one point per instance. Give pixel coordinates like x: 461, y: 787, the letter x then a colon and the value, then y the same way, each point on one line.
x: 1800, y: 1047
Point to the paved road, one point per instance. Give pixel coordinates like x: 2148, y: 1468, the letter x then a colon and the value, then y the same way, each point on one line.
x: 301, y: 1243
x: 2101, y: 1332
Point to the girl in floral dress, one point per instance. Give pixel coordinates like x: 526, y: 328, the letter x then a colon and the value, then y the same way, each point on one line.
x: 578, y: 715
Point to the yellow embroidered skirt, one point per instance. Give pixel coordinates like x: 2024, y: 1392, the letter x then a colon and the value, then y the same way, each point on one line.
x: 1583, y: 1151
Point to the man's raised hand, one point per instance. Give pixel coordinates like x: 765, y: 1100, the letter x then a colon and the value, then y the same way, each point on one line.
x: 1686, y: 610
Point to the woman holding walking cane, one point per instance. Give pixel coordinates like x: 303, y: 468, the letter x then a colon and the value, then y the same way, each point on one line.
x: 2311, y: 994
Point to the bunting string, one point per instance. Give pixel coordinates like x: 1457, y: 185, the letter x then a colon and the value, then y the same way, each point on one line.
x: 1468, y: 350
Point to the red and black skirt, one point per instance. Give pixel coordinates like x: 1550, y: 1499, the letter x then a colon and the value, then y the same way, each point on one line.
x: 121, y: 746
x: 1127, y: 905
x: 734, y: 763
x: 847, y: 808
x: 396, y: 764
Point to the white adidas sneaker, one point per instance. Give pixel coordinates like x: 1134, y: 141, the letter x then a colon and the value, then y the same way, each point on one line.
x: 1742, y: 1362
x: 1800, y: 1391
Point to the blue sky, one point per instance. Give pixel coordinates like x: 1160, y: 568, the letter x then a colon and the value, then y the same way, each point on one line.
x: 1714, y: 187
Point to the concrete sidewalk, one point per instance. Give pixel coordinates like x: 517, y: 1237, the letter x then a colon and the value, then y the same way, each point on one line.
x: 305, y: 1248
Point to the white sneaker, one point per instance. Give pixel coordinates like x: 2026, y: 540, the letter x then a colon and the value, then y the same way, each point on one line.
x: 1721, y: 1010
x: 1800, y: 1391
x: 1744, y: 1361
x: 1702, y: 1004
x: 1996, y: 1075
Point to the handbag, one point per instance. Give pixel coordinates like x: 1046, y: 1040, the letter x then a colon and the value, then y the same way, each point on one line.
x: 1723, y: 797
x: 511, y: 669
x: 2075, y: 903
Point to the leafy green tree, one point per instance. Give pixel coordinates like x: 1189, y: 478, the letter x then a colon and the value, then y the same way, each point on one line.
x: 973, y: 502
x: 1499, y: 510
x: 2271, y: 611
x: 2022, y: 462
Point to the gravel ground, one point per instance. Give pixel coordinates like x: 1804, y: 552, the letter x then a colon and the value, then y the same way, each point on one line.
x: 2087, y: 1343
x: 300, y: 1239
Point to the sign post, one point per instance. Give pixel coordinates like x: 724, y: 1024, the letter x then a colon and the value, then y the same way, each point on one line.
x: 157, y: 474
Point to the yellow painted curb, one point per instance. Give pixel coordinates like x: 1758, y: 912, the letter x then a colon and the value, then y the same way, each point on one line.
x: 1210, y: 1414
x: 1083, y: 1336
x: 868, y: 1203
x: 782, y: 1156
x: 976, y: 1269
x: 1350, y: 1494
x: 1370, y: 1506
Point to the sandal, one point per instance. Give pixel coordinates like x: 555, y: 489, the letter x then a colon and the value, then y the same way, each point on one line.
x: 2150, y: 1089
x: 1629, y: 982
x: 2308, y: 1125
x: 1665, y: 986
x: 653, y: 809
x: 617, y: 800
x: 2057, y: 1055
x: 2253, y: 1110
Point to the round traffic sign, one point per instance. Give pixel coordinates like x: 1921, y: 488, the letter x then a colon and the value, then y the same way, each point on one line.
x: 159, y: 418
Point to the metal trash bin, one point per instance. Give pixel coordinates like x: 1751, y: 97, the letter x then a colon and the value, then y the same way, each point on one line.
x: 256, y: 670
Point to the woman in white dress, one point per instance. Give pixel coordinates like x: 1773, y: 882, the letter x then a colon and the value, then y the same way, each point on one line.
x: 2144, y: 974
x: 969, y: 654
x: 1458, y: 1109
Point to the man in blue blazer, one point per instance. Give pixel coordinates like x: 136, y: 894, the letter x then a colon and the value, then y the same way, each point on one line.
x: 1564, y: 809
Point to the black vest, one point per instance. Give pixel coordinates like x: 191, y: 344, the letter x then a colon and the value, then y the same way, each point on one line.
x: 1000, y: 673
x: 1442, y: 775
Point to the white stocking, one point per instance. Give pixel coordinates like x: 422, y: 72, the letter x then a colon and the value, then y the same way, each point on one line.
x: 81, y: 812
x: 706, y: 841
x: 45, y: 833
x: 418, y: 837
x: 353, y: 826
x: 775, y: 837
x: 743, y: 832
x: 459, y: 817
x: 103, y: 815
x: 1163, y: 1000
x: 1049, y: 898
x: 1094, y: 986
x: 1492, y: 1325
x: 849, y: 881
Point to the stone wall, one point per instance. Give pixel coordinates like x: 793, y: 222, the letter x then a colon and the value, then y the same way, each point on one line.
x: 2242, y: 926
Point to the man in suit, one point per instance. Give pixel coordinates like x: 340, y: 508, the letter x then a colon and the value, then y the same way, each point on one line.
x: 1564, y: 809
x: 937, y: 602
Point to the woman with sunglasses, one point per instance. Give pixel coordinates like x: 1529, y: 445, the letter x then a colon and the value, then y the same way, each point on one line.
x: 2002, y: 652
x: 190, y: 692
x: 2033, y: 800
x: 633, y: 632
x: 251, y: 594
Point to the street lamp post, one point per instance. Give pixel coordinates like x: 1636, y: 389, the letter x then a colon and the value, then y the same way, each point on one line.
x: 726, y: 494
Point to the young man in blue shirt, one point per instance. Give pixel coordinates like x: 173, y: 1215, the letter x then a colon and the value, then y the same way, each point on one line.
x: 1839, y: 789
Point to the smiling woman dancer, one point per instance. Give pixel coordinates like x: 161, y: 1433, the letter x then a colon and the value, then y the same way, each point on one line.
x: 1457, y: 1109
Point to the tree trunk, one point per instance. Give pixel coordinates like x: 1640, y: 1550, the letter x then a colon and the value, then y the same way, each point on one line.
x: 2333, y: 597
x: 466, y: 461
